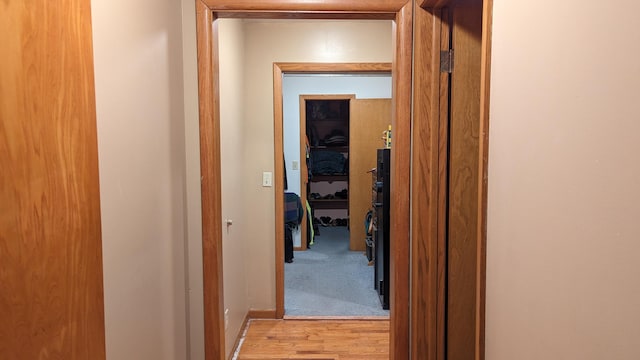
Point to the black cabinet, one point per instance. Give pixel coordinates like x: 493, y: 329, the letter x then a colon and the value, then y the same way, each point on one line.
x: 381, y: 202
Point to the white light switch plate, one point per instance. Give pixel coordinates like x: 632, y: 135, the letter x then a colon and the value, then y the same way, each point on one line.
x: 294, y: 165
x: 267, y: 179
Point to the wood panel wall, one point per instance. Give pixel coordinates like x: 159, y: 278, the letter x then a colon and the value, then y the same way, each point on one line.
x: 51, y: 294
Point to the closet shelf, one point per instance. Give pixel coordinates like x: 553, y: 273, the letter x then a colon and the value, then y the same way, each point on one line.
x: 332, y: 148
x: 329, y: 178
x: 329, y: 203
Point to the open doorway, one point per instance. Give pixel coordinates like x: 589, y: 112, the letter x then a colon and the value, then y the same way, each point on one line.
x: 330, y: 147
x: 208, y: 56
x: 419, y: 171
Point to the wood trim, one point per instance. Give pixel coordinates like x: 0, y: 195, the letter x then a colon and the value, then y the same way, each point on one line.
x: 395, y: 9
x: 307, y: 15
x: 423, y: 156
x: 442, y: 116
x: 279, y: 187
x: 464, y: 150
x: 435, y: 4
x: 303, y: 171
x: 439, y: 4
x: 287, y: 7
x: 401, y: 11
x: 485, y: 92
x: 261, y: 314
x: 400, y: 183
x: 297, y: 68
x: 329, y: 97
x: 209, y: 112
x: 303, y: 164
x: 428, y: 178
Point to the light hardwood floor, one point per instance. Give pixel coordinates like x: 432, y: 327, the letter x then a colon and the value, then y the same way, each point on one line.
x: 316, y: 339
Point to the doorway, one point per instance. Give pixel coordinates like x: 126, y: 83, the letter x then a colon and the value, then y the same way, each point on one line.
x: 279, y: 70
x: 424, y: 302
x: 343, y: 133
x: 210, y: 158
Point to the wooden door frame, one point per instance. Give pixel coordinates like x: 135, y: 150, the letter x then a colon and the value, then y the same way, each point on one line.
x: 429, y: 182
x: 420, y: 165
x: 400, y: 11
x: 300, y: 68
x: 303, y: 164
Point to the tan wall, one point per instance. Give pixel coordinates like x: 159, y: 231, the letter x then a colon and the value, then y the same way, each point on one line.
x: 277, y: 41
x: 139, y: 94
x: 195, y: 291
x: 231, y: 44
x: 564, y: 182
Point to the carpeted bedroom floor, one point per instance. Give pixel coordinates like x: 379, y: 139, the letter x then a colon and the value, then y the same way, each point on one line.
x: 330, y: 280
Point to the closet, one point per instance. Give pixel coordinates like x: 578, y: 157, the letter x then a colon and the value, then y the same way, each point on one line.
x: 340, y: 135
x: 327, y: 133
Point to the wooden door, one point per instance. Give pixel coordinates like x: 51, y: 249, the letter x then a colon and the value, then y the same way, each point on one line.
x: 450, y: 123
x: 465, y: 24
x: 368, y: 119
x: 51, y: 297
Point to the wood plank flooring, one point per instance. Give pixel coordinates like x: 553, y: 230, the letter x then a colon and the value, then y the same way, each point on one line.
x: 315, y: 339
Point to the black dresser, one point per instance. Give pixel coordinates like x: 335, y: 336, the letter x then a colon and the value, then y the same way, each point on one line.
x: 381, y: 203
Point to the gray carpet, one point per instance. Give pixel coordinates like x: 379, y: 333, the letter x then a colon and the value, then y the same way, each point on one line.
x: 330, y: 280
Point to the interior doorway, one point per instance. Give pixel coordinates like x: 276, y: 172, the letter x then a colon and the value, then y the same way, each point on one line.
x: 427, y: 335
x: 337, y: 142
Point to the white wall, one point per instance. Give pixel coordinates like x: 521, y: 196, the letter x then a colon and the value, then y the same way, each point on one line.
x: 140, y: 114
x: 564, y: 181
x: 269, y: 41
x: 369, y: 86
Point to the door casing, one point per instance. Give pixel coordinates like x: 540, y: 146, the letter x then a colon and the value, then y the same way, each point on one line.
x: 429, y: 181
x: 303, y: 165
x: 278, y: 70
x: 415, y: 170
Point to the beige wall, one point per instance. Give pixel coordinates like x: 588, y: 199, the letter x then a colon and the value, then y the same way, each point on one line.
x: 139, y: 94
x: 232, y: 105
x: 195, y: 291
x: 287, y: 41
x: 564, y: 182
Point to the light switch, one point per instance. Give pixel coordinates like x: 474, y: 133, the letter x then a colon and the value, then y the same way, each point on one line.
x: 267, y: 179
x: 294, y: 165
